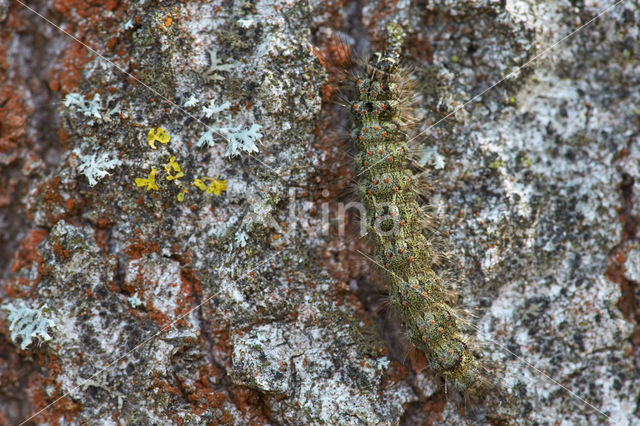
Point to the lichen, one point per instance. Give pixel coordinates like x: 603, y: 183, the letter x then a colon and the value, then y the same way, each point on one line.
x: 211, y: 73
x: 157, y: 135
x: 172, y: 165
x: 149, y: 181
x: 28, y: 325
x: 95, y: 166
x: 238, y: 139
x: 92, y: 109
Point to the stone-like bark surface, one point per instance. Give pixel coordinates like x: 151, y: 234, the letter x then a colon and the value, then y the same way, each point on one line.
x: 248, y: 305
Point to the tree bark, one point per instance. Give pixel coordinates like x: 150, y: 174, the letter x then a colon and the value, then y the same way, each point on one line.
x: 229, y: 285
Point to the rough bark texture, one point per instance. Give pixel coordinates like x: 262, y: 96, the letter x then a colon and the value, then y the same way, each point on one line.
x: 280, y: 319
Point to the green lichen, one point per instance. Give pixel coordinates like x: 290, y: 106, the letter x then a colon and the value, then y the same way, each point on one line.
x: 497, y: 164
x: 525, y: 161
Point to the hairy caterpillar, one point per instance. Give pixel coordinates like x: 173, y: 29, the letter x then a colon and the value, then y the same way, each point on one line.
x: 387, y: 189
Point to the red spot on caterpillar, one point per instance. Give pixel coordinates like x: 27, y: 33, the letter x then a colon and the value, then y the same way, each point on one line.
x: 402, y: 223
x: 369, y: 153
x: 424, y: 294
x: 440, y: 330
x: 402, y: 250
x: 375, y: 181
x: 387, y: 180
x: 365, y: 163
x: 384, y: 134
x: 390, y: 159
x: 376, y: 128
x: 424, y: 339
x: 395, y: 189
x: 410, y: 259
x: 431, y: 322
x: 381, y: 151
x: 355, y: 106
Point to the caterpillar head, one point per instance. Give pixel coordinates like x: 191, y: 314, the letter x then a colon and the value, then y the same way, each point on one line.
x: 385, y: 63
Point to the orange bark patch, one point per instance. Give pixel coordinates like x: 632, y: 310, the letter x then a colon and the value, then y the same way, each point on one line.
x: 189, y: 287
x: 62, y: 253
x: 13, y: 116
x: 419, y: 47
x: 138, y: 247
x: 335, y: 57
x: 75, y: 59
x: 49, y: 190
x: 64, y: 408
x: 160, y: 318
x: 84, y: 9
x: 28, y: 251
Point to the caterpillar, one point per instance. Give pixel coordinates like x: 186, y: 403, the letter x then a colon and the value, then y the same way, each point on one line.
x: 388, y: 191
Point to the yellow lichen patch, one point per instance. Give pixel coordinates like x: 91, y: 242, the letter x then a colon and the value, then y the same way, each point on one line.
x: 172, y: 165
x: 181, y: 195
x: 159, y: 135
x: 200, y: 184
x: 216, y: 186
x: 149, y: 182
